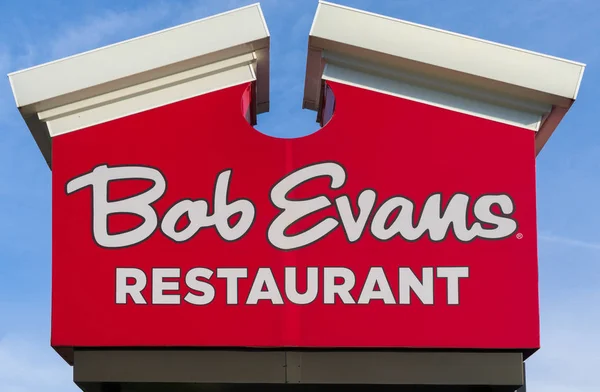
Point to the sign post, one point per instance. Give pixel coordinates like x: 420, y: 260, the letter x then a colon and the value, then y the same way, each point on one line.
x: 395, y: 246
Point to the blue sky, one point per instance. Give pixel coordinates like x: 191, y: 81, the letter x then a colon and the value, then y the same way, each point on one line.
x: 36, y: 31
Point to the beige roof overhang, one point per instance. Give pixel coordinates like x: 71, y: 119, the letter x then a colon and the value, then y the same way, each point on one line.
x: 233, y: 45
x: 435, y: 59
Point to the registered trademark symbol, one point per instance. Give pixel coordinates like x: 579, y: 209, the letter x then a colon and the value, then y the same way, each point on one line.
x: 519, y: 236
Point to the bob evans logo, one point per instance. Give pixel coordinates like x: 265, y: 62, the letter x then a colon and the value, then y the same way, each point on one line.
x: 392, y: 220
x: 433, y: 219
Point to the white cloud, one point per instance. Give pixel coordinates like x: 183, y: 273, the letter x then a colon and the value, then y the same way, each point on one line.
x: 570, y: 350
x: 569, y: 241
x: 4, y: 60
x: 5, y: 64
x: 28, y: 364
x: 109, y: 25
x: 9, y: 62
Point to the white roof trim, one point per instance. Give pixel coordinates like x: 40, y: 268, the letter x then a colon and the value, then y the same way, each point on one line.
x: 149, y: 95
x: 224, y: 35
x: 401, y: 44
x: 66, y: 94
x: 328, y: 3
x: 398, y: 88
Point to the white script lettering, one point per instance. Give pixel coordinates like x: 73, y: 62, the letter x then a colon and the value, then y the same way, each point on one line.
x: 434, y: 219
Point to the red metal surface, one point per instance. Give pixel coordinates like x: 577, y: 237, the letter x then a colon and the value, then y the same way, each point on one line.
x: 406, y: 149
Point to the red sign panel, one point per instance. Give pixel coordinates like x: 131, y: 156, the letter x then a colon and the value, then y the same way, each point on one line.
x: 398, y: 224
